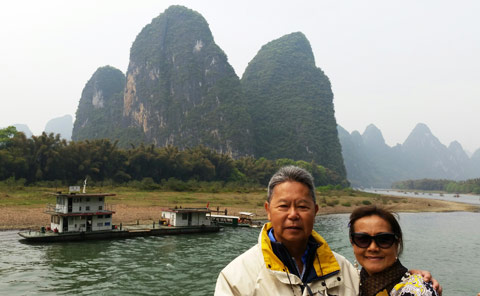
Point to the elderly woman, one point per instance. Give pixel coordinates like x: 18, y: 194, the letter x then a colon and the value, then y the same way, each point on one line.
x: 377, y: 241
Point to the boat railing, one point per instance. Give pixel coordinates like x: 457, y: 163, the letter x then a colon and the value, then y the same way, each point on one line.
x: 51, y: 208
x: 54, y: 208
x: 109, y: 207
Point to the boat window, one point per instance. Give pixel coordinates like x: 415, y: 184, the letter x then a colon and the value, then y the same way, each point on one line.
x: 100, y: 208
x: 100, y: 199
x: 56, y: 219
x: 79, y: 208
x: 87, y: 208
x: 108, y: 216
x: 107, y: 223
x: 100, y: 216
x: 88, y: 199
x: 184, y: 216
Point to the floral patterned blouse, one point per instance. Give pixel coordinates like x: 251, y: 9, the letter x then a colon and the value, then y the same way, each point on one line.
x: 412, y: 285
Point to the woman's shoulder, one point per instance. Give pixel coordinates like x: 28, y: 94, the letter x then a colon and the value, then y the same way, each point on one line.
x: 413, y: 285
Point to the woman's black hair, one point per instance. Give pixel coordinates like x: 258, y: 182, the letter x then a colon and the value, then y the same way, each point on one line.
x: 386, y: 215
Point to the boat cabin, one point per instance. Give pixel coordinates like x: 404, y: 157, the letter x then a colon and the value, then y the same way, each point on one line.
x: 226, y: 220
x: 246, y: 217
x: 80, y: 212
x: 186, y: 217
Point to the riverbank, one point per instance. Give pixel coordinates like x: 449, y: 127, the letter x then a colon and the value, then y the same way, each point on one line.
x: 24, y: 209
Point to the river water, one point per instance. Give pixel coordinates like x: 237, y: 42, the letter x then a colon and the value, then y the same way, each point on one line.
x: 463, y: 198
x: 447, y: 244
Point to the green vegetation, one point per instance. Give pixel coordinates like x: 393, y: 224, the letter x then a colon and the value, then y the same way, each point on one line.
x: 182, y: 91
x: 254, y: 198
x: 50, y: 161
x: 468, y: 186
x: 100, y: 109
x: 290, y: 103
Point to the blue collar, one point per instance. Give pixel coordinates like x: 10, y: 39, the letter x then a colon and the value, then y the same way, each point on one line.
x: 304, y: 256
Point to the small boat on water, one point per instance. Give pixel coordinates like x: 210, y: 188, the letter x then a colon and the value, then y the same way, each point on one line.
x: 245, y: 219
x: 226, y: 220
x: 85, y: 216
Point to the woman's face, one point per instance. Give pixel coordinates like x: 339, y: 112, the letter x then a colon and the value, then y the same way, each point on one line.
x: 373, y: 258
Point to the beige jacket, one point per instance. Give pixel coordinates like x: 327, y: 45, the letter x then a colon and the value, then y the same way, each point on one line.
x: 259, y: 271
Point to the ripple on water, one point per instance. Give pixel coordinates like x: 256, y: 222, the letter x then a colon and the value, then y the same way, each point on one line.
x: 447, y: 244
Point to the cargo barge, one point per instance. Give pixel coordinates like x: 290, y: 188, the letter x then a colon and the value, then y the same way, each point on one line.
x: 85, y: 216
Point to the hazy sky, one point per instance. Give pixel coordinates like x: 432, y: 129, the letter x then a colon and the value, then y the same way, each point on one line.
x: 391, y: 63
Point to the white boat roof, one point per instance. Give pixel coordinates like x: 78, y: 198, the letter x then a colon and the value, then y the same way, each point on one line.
x: 224, y: 216
x: 246, y: 213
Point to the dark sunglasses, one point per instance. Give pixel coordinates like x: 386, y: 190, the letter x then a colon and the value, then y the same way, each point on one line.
x: 382, y: 240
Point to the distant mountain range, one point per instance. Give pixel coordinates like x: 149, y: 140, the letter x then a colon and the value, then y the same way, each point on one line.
x: 60, y: 125
x: 372, y: 163
x: 180, y: 90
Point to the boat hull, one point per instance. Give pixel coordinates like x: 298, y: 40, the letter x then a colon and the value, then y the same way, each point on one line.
x: 137, y: 231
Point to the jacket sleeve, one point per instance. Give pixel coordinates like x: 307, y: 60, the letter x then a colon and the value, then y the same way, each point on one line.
x: 351, y: 278
x: 239, y: 276
x: 223, y: 286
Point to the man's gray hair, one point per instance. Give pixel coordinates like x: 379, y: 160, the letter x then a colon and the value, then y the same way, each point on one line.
x: 291, y: 173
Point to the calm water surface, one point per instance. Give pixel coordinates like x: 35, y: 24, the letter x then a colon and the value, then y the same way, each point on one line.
x: 448, y: 244
x: 463, y: 198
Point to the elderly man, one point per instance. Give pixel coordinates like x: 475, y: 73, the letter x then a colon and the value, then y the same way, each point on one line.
x: 290, y: 257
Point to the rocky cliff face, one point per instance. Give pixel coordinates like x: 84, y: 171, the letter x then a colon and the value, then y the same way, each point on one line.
x: 180, y: 88
x: 99, y: 112
x: 290, y: 102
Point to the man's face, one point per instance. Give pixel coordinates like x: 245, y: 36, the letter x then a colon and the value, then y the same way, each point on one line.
x: 292, y: 212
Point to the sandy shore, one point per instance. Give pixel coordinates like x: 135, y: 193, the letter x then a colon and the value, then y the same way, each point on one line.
x: 21, y: 217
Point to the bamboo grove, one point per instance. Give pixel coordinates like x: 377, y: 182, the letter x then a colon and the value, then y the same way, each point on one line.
x: 48, y: 158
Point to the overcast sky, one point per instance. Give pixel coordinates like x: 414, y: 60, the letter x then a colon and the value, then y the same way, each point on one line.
x: 391, y: 63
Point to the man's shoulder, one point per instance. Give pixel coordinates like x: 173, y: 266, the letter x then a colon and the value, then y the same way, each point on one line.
x: 247, y: 260
x: 240, y: 275
x: 341, y: 259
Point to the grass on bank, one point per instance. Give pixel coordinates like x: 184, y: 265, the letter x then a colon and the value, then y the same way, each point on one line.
x: 327, y: 197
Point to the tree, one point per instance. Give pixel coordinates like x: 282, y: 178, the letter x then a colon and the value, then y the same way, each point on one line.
x: 6, y: 134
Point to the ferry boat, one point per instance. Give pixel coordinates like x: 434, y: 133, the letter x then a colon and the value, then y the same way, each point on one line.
x: 247, y: 218
x: 243, y: 220
x: 85, y: 216
x: 227, y: 220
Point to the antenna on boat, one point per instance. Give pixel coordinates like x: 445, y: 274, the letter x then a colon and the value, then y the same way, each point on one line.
x: 84, y: 185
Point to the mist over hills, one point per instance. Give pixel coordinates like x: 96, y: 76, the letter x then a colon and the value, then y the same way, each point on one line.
x: 372, y: 163
x: 23, y: 128
x: 60, y: 125
x: 180, y: 90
